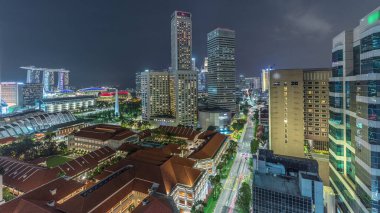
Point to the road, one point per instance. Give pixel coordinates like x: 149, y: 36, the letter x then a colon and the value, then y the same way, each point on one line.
x: 238, y: 173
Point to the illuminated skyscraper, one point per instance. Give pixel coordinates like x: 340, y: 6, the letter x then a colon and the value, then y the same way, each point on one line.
x: 221, y: 69
x: 265, y: 79
x: 170, y: 97
x: 183, y: 79
x: 354, y: 133
x: 181, y: 29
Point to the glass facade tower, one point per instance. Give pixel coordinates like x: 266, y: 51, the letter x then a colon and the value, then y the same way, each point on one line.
x: 354, y: 132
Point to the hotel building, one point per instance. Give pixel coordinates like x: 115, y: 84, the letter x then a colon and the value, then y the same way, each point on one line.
x: 298, y: 114
x: 171, y: 98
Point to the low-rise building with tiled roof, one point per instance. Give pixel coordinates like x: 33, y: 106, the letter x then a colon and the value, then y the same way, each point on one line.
x: 45, y: 198
x: 21, y: 177
x: 85, y: 163
x: 97, y: 136
x: 186, y: 133
x: 209, y: 154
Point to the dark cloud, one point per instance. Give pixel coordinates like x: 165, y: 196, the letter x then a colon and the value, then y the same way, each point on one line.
x: 106, y: 42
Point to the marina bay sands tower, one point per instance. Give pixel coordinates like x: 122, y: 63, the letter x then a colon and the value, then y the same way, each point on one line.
x: 34, y: 76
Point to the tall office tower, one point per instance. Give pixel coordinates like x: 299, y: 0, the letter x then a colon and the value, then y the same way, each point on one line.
x: 11, y: 93
x: 265, y: 79
x: 184, y: 97
x: 355, y: 116
x: 31, y: 93
x: 298, y: 114
x: 205, y: 65
x: 155, y: 98
x: 193, y: 65
x: 138, y: 84
x: 249, y: 83
x: 241, y: 82
x: 202, y: 87
x: 202, y: 78
x: 256, y: 83
x: 181, y: 39
x: 221, y: 69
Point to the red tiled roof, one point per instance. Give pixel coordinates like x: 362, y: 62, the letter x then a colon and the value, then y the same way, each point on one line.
x: 36, y: 200
x: 171, y: 149
x: 206, y: 134
x: 210, y: 148
x: 104, y: 195
x: 105, y: 132
x: 154, y: 205
x: 24, y: 176
x: 7, y: 140
x: 144, y: 134
x: 183, y: 132
x: 129, y: 147
x: 86, y: 162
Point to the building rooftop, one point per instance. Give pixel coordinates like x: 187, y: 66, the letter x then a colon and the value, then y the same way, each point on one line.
x: 154, y: 204
x: 48, y: 100
x: 7, y: 140
x: 23, y: 176
x: 37, y: 200
x: 183, y: 132
x: 85, y: 162
x: 291, y: 164
x: 216, y: 110
x: 210, y: 148
x: 282, y: 184
x: 105, y: 132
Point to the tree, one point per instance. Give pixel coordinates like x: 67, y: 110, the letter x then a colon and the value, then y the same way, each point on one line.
x: 62, y: 147
x: 49, y: 136
x: 254, y: 145
x: 244, y: 198
x: 211, y: 128
x: 198, y: 207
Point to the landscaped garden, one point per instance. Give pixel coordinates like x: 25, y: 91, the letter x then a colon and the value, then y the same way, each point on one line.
x: 56, y: 160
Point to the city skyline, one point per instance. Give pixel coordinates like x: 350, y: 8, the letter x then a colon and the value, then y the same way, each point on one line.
x: 101, y: 38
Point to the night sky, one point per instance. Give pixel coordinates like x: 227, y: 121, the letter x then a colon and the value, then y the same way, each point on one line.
x: 104, y: 42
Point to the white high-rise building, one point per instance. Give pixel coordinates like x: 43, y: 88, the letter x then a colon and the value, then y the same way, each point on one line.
x: 155, y: 98
x: 183, y: 90
x: 170, y: 97
x: 221, y: 69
